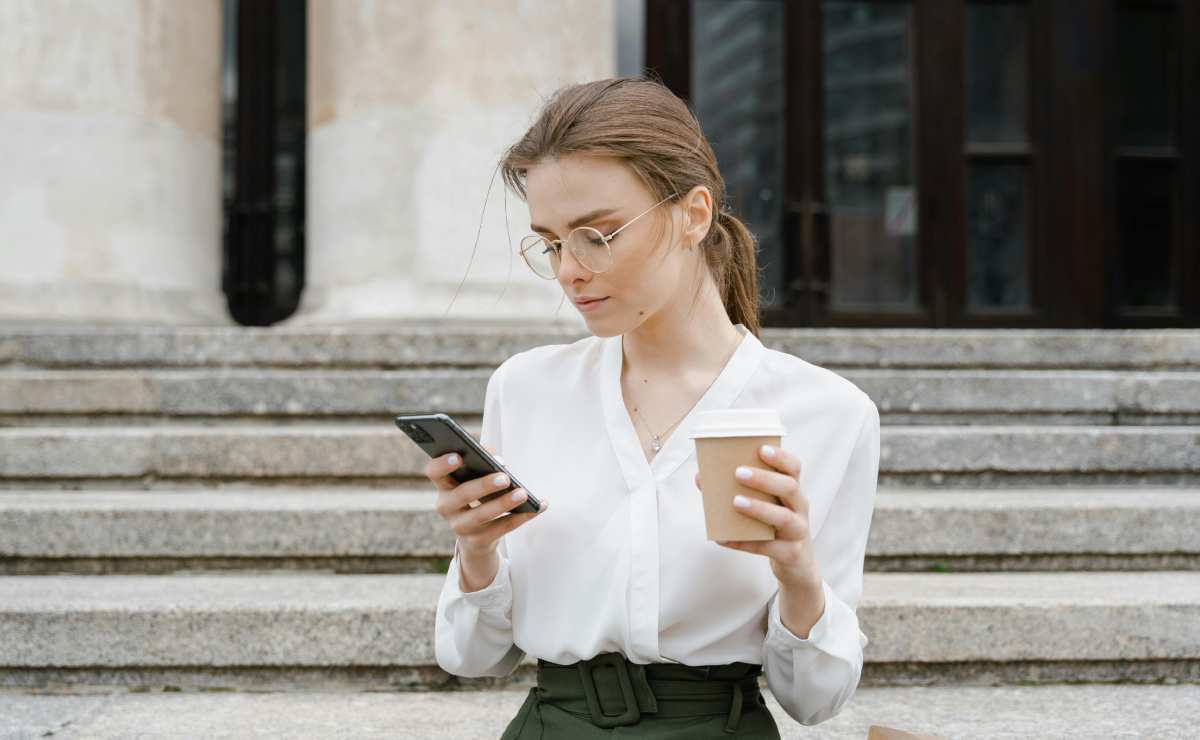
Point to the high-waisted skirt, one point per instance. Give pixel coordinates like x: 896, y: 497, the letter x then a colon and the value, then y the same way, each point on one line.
x: 610, y: 697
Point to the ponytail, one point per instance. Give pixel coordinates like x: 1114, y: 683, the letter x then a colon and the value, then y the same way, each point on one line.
x: 731, y: 252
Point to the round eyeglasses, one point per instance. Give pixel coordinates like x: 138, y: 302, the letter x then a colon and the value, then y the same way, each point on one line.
x: 589, y: 246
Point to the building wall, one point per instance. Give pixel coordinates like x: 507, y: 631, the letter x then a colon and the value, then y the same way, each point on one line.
x: 109, y: 135
x: 110, y: 197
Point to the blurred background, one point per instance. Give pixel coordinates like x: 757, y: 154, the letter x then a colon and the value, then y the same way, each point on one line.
x: 943, y: 163
x: 238, y: 236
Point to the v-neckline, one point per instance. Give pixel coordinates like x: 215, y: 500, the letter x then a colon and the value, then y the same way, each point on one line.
x: 678, y: 446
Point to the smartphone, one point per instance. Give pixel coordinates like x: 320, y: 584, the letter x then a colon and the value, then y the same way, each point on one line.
x: 439, y: 434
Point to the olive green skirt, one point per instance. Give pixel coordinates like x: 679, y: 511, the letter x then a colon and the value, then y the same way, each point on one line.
x: 610, y: 697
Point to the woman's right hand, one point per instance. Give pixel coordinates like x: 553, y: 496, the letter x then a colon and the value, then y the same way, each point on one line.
x: 477, y: 528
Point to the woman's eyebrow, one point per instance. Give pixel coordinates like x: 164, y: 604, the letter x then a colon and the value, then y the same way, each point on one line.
x: 599, y: 212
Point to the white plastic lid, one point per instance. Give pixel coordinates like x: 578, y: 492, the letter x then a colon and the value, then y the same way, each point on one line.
x: 738, y: 423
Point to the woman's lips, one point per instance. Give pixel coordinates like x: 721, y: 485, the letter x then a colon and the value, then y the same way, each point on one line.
x: 591, y: 305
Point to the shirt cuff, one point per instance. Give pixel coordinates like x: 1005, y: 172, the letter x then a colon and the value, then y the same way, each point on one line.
x: 782, y: 637
x: 496, y: 595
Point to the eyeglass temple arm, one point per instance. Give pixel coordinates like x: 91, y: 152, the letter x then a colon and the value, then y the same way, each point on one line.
x: 643, y: 213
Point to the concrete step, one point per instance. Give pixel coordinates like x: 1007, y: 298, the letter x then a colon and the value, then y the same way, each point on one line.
x: 379, y: 454
x: 1083, y: 711
x: 454, y: 343
x: 904, y: 396
x: 346, y: 530
x: 291, y: 631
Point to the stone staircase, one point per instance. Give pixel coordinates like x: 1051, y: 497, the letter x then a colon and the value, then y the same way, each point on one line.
x: 221, y: 508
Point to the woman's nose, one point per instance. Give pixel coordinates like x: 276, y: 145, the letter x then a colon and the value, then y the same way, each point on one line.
x: 569, y: 267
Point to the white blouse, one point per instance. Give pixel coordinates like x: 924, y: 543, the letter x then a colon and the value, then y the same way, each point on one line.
x: 620, y: 561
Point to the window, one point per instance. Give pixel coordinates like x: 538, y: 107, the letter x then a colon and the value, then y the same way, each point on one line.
x: 953, y: 162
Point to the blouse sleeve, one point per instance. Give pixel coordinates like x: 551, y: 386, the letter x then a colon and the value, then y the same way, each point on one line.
x: 473, y: 634
x: 813, y: 678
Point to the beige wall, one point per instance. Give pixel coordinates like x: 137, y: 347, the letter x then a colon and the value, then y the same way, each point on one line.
x: 410, y: 107
x: 110, y: 201
x: 109, y: 132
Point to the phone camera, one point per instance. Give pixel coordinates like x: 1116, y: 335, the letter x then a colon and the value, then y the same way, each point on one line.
x: 417, y: 433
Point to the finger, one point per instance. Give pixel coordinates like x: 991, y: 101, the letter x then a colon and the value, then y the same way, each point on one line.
x: 477, y: 488
x: 787, y: 523
x: 485, y: 515
x: 470, y: 519
x: 502, y: 526
x: 780, y: 459
x: 781, y: 485
x: 763, y: 547
x: 438, y: 470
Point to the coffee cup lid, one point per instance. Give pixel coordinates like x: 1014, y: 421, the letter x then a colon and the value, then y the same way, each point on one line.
x: 738, y: 423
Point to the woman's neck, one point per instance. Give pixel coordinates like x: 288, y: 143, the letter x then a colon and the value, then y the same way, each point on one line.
x: 667, y: 346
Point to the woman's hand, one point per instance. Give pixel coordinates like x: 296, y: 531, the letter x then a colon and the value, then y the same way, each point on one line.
x: 791, y: 552
x: 477, y: 528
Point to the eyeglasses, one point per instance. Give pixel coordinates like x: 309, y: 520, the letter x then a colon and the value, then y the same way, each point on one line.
x: 589, y: 246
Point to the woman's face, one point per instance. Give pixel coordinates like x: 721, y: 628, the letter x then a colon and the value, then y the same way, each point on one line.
x: 644, y: 275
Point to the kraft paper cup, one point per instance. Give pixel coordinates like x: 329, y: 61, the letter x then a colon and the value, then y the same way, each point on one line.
x: 725, y: 439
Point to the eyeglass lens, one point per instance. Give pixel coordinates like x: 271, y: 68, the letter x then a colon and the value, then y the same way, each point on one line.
x: 586, y: 243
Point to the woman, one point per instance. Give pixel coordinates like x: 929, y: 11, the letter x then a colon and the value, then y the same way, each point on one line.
x: 641, y: 626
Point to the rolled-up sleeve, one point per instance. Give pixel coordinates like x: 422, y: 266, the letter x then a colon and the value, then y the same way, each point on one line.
x: 473, y: 634
x: 813, y: 678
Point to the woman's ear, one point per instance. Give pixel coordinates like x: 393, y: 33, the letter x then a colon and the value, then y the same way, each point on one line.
x: 698, y: 214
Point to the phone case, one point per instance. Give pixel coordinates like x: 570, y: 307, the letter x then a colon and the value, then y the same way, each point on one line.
x: 438, y: 434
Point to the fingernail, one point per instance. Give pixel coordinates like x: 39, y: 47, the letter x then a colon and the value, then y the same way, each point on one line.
x: 518, y: 495
x: 500, y: 479
x: 768, y: 450
x: 741, y: 501
x: 743, y: 472
x: 453, y: 459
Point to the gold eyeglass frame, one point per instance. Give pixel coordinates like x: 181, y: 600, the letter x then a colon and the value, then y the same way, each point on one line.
x: 603, y: 238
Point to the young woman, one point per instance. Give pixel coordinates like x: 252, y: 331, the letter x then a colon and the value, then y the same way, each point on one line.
x: 637, y: 620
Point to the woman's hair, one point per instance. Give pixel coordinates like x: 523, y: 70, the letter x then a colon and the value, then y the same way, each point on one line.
x: 645, y: 125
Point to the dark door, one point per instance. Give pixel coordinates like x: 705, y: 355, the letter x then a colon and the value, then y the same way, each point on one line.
x: 951, y: 163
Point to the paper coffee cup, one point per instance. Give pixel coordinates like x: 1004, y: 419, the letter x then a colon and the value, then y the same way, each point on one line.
x: 725, y: 439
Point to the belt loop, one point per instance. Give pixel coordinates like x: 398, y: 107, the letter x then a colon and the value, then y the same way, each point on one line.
x: 647, y: 701
x: 735, y: 709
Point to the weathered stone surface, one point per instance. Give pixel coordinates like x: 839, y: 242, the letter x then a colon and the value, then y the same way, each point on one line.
x: 431, y: 343
x: 372, y: 620
x: 346, y: 522
x: 949, y: 396
x: 379, y: 449
x: 978, y: 712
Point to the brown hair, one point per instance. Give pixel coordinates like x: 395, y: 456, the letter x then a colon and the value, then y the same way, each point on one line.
x: 649, y: 128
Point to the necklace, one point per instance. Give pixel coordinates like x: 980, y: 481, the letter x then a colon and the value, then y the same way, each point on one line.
x: 656, y: 439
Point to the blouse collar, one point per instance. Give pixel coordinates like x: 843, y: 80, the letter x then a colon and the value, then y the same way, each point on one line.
x: 679, y: 446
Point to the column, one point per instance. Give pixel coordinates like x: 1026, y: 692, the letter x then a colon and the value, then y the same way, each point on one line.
x: 410, y: 106
x: 110, y: 203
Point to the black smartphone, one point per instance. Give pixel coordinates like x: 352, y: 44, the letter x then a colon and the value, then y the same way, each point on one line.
x: 439, y: 434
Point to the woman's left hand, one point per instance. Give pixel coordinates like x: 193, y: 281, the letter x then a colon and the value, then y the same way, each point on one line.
x: 791, y: 552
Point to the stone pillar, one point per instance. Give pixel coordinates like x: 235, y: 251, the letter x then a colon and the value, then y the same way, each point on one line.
x: 110, y: 200
x: 410, y: 106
